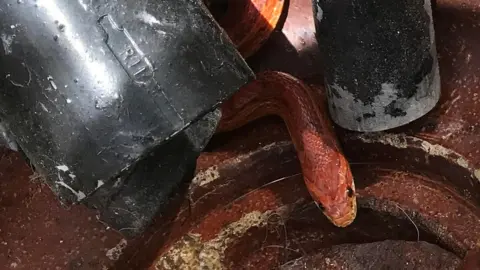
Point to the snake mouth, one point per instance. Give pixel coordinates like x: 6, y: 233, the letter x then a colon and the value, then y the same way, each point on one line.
x: 342, y: 213
x: 345, y: 219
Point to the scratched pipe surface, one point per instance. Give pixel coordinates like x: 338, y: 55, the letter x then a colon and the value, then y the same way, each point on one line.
x: 88, y: 88
x: 380, y: 61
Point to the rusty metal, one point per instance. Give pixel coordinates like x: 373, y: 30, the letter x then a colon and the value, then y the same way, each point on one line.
x: 36, y: 232
x: 379, y: 255
x: 471, y: 261
x: 417, y: 182
x: 249, y: 211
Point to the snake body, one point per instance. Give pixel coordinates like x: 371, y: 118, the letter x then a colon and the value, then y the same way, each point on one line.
x: 325, y: 170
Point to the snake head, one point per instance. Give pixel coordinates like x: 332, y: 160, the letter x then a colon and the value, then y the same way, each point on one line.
x: 333, y: 190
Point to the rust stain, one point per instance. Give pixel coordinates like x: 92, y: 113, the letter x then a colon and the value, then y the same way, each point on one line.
x: 403, y: 141
x: 261, y: 200
x: 432, y: 182
x: 431, y: 205
x: 193, y: 251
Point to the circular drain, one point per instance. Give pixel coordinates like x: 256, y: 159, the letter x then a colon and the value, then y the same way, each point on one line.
x: 253, y: 212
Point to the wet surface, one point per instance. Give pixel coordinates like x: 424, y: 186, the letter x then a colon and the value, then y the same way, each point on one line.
x: 418, y: 182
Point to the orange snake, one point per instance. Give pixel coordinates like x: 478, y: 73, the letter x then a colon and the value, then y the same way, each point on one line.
x: 325, y: 170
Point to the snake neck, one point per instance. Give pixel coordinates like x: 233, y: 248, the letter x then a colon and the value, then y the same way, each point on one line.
x: 324, y: 167
x: 302, y: 110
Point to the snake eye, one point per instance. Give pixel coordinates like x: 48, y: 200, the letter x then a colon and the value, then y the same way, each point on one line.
x: 349, y: 192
